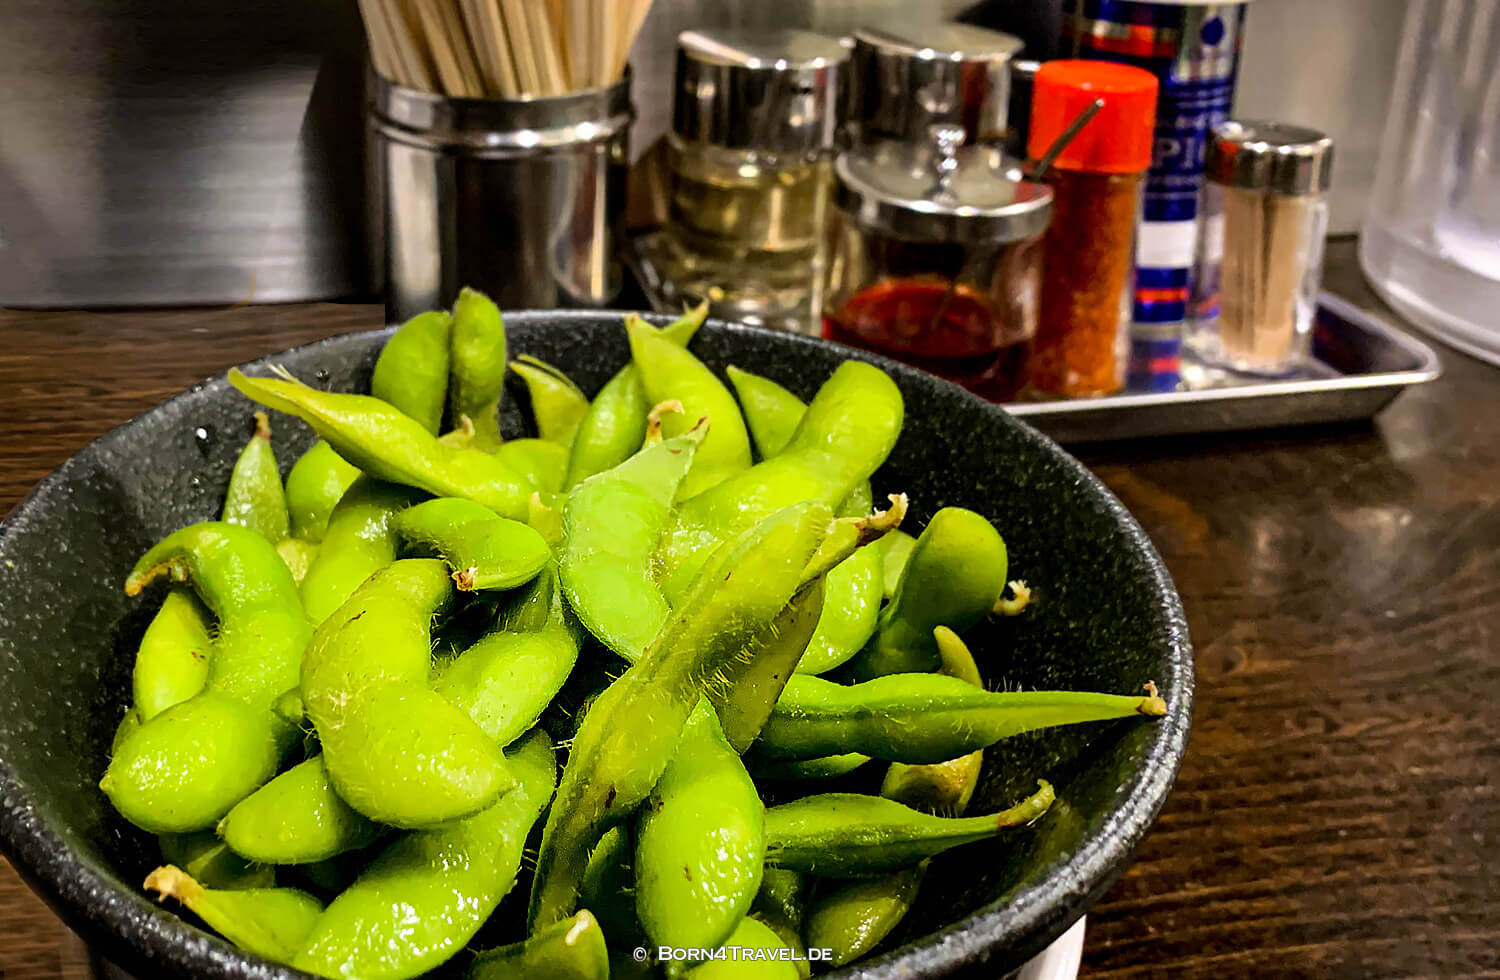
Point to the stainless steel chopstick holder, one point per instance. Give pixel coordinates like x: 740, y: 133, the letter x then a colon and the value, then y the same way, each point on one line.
x: 522, y: 199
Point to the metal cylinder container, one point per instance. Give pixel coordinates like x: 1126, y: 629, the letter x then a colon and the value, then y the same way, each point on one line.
x: 522, y: 199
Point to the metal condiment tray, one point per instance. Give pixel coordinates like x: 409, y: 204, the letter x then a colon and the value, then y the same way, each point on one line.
x: 1360, y: 363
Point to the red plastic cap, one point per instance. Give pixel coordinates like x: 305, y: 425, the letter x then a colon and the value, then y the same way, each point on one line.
x: 1118, y: 139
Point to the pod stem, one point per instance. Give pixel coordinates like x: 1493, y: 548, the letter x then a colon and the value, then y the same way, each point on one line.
x: 653, y: 420
x: 262, y: 426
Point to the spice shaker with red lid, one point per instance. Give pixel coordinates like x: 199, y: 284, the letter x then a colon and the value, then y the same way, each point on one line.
x: 1082, y: 338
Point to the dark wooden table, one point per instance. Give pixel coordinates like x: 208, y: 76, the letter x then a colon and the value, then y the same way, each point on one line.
x: 1338, y: 807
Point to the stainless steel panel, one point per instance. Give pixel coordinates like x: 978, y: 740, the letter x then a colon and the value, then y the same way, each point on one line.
x: 153, y: 151
x: 1362, y: 363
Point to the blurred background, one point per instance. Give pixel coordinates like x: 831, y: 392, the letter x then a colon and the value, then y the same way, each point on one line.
x: 156, y: 152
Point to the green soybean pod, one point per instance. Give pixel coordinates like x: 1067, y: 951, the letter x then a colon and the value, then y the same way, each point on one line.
x: 771, y: 412
x: 924, y: 718
x: 210, y: 862
x: 557, y: 405
x: 762, y: 955
x: 505, y: 680
x: 615, y: 424
x: 269, y: 922
x: 954, y: 575
x: 125, y: 729
x: 608, y: 890
x: 631, y: 732
x: 255, y: 498
x: 412, y: 370
x: 396, y: 751
x: 477, y: 351
x: 485, y: 551
x: 541, y: 463
x: 853, y: 917
x: 612, y: 523
x: 818, y: 767
x: 386, y: 444
x: 850, y: 835
x: 845, y: 435
x: 699, y: 841
x: 572, y: 949
x: 297, y: 555
x: 182, y: 770
x: 171, y: 664
x: 296, y: 818
x: 426, y: 895
x: 361, y: 540
x: 669, y: 373
x: 317, y: 482
x: 895, y: 552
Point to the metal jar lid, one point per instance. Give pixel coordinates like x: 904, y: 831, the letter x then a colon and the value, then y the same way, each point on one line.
x: 908, y: 79
x: 1259, y: 155
x: 774, y: 91
x: 951, y: 193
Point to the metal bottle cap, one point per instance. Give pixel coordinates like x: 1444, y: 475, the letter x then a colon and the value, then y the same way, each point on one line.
x: 908, y: 79
x: 950, y: 193
x: 774, y: 91
x: 1261, y: 155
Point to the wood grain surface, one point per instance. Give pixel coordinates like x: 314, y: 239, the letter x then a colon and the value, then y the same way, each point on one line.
x: 1337, y: 813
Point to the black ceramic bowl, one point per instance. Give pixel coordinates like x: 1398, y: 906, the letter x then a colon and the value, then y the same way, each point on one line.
x: 1106, y: 619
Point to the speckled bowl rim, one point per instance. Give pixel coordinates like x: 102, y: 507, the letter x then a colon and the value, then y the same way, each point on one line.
x: 1026, y: 921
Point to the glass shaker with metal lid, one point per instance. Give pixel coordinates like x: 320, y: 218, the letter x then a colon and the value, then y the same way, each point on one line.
x: 935, y: 259
x: 754, y: 118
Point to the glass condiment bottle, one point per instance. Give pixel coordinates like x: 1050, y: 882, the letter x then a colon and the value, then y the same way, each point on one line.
x: 1270, y: 181
x: 935, y: 259
x: 1082, y: 338
x: 754, y: 119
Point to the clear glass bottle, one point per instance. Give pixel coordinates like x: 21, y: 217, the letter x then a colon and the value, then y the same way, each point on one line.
x: 935, y: 259
x: 749, y: 169
x: 1269, y: 181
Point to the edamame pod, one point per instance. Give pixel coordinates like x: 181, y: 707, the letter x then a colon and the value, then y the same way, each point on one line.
x: 612, y: 524
x: 269, y: 922
x: 540, y: 463
x: 615, y: 424
x: 771, y: 412
x: 851, y: 918
x: 572, y: 949
x: 631, y: 732
x: 211, y: 863
x: 485, y: 551
x: 895, y: 552
x: 955, y: 572
x: 477, y: 352
x: 360, y: 541
x: 669, y: 372
x: 255, y: 498
x: 429, y: 891
x: 297, y: 555
x: 186, y: 767
x: 317, y: 482
x: 389, y: 445
x: 182, y: 770
x: 608, y: 889
x: 699, y: 841
x: 396, y: 751
x: 505, y: 680
x: 296, y: 818
x: 412, y: 370
x: 779, y: 904
x: 820, y: 767
x: 171, y: 664
x: 923, y: 717
x: 125, y: 729
x: 751, y: 934
x: 849, y: 835
x: 845, y: 435
x: 556, y: 403
x: 851, y: 602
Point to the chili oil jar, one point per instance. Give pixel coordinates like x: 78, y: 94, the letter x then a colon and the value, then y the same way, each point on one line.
x: 1082, y: 340
x: 935, y: 259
